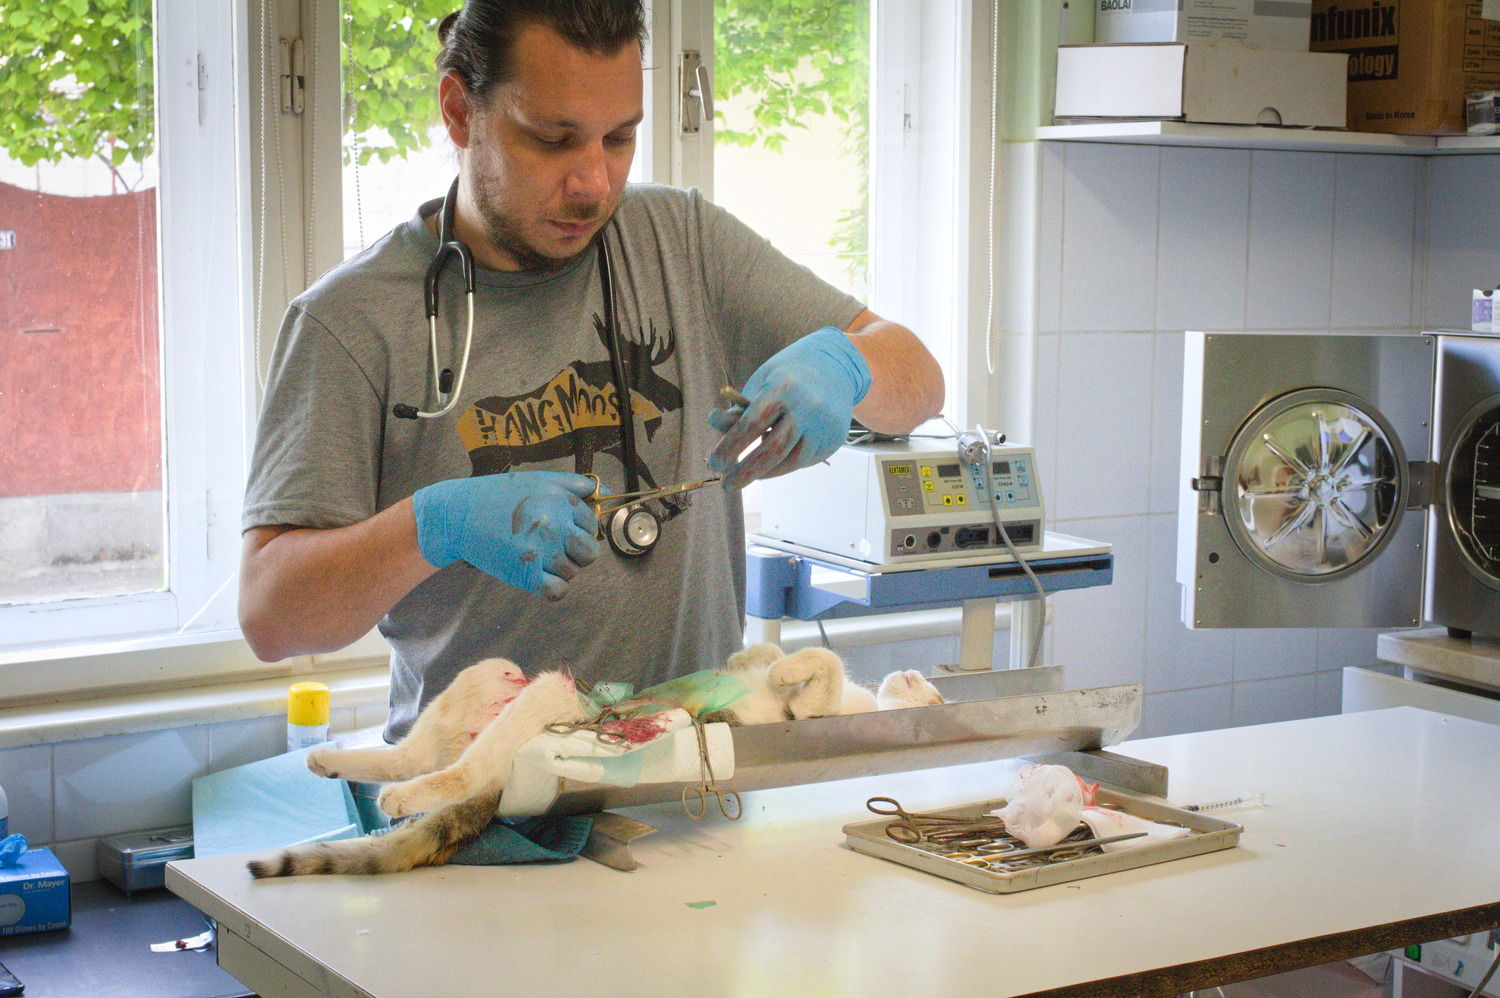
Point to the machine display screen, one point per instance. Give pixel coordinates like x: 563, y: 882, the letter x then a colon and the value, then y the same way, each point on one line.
x: 1002, y: 467
x: 947, y: 471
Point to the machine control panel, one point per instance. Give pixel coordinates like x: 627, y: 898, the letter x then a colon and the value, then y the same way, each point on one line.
x: 918, y: 487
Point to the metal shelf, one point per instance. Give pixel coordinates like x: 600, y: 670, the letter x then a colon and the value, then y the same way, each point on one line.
x: 1181, y: 133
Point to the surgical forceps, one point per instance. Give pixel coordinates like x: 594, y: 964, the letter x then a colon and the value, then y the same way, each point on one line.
x: 598, y: 728
x: 911, y: 827
x: 708, y: 786
x: 603, y: 505
x: 996, y: 856
x: 598, y: 725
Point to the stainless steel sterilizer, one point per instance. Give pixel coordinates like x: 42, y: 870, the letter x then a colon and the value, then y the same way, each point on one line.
x: 1341, y: 480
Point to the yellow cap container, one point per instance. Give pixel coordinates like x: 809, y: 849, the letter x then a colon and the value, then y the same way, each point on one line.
x: 307, y: 704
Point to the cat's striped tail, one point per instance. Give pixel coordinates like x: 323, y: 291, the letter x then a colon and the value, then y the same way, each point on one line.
x: 426, y: 841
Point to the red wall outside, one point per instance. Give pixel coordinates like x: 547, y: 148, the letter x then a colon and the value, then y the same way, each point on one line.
x: 79, y: 408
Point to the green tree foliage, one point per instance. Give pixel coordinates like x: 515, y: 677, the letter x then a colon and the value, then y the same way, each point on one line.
x: 799, y: 59
x: 76, y: 80
x: 796, y: 58
x: 76, y: 76
x: 390, y: 83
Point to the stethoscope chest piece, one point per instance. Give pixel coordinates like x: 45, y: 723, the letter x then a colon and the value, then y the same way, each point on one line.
x: 633, y: 531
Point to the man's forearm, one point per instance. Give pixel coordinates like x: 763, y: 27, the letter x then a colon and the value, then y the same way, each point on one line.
x: 906, y: 383
x: 304, y: 591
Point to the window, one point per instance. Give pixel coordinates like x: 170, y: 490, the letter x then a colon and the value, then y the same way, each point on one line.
x: 792, y: 141
x: 837, y: 138
x: 395, y: 151
x: 232, y: 173
x: 80, y: 366
x: 119, y: 349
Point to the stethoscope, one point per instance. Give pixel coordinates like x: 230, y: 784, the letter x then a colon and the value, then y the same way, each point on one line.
x: 632, y: 531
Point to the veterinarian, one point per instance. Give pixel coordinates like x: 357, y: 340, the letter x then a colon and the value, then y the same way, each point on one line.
x: 459, y: 529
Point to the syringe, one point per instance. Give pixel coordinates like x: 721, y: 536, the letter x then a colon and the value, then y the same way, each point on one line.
x: 1250, y: 798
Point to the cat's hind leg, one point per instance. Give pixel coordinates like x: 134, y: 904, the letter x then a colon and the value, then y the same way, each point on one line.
x: 812, y: 681
x: 485, y: 766
x: 441, y: 733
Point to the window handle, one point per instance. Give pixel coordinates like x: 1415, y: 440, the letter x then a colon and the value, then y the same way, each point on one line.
x: 697, y: 93
x: 704, y: 92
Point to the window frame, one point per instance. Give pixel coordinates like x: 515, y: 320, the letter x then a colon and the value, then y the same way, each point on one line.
x: 238, y: 241
x: 200, y: 148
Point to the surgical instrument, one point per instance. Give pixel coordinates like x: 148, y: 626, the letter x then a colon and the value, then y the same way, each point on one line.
x: 602, y: 733
x: 1065, y: 849
x: 915, y: 826
x: 1246, y: 799
x: 605, y: 505
x: 708, y: 786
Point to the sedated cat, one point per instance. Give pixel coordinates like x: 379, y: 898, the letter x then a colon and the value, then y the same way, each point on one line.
x: 455, y: 761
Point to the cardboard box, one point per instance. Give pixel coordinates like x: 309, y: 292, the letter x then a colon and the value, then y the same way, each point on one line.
x: 1255, y: 23
x: 1224, y: 84
x: 1411, y: 62
x: 34, y: 895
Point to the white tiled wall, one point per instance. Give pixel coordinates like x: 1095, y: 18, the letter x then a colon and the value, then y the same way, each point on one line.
x: 1134, y: 245
x: 70, y: 794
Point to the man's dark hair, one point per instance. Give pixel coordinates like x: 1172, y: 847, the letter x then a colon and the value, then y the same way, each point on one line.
x: 478, y: 40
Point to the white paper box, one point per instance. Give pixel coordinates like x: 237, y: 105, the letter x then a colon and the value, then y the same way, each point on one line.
x: 1226, y: 84
x: 1279, y: 24
x: 1482, y: 317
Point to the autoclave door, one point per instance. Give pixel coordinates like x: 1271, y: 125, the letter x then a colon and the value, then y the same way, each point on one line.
x: 1463, y: 582
x: 1296, y: 482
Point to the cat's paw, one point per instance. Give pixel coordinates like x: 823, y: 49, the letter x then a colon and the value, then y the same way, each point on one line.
x: 425, y: 793
x: 757, y: 656
x: 396, y: 800
x: 324, y: 762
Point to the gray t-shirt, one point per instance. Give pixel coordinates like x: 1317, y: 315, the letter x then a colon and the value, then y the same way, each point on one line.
x: 700, y: 300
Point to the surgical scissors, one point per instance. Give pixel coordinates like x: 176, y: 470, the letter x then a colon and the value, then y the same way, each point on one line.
x: 709, y: 785
x: 603, y: 505
x: 916, y: 826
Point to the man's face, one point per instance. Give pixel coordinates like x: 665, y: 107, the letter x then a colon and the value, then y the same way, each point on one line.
x: 546, y: 161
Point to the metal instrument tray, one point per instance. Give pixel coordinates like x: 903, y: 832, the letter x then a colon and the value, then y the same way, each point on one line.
x: 1209, y: 834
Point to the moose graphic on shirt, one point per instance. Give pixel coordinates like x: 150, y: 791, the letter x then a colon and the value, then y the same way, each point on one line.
x: 576, y: 412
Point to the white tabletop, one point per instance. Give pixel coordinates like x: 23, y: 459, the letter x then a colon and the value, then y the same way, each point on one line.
x: 1380, y: 831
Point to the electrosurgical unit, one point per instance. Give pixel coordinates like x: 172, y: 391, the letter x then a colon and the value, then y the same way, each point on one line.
x: 903, y: 504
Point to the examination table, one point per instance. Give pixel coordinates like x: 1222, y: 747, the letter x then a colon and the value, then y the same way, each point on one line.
x: 1379, y: 831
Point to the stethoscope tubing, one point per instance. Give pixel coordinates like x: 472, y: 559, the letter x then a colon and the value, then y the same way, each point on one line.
x: 629, y: 532
x: 450, y: 399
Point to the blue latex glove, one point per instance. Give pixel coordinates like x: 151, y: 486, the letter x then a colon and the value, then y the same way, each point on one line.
x: 805, y: 396
x: 12, y: 848
x: 530, y: 529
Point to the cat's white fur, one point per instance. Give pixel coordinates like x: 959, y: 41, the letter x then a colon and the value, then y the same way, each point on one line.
x: 456, y: 760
